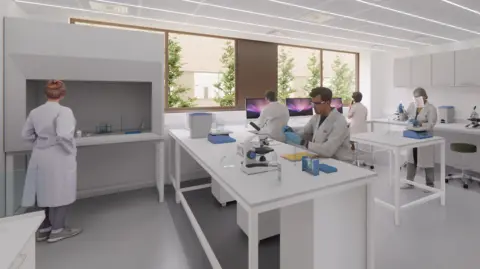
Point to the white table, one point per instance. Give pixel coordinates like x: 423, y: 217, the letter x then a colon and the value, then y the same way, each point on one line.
x: 322, y: 218
x: 91, y: 141
x: 395, y: 143
x: 17, y: 240
x: 457, y: 127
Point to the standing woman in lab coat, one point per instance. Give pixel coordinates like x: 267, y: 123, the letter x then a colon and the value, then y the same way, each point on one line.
x: 51, y: 180
x: 421, y: 113
x: 357, y: 114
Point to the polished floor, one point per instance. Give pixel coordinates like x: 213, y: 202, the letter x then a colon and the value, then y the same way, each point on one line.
x: 131, y: 230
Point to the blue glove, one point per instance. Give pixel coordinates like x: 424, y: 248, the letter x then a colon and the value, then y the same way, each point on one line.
x: 414, y: 122
x: 287, y: 129
x: 293, y: 138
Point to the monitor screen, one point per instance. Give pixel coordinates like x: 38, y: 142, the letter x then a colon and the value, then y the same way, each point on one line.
x: 299, y: 106
x: 338, y: 104
x: 254, y: 106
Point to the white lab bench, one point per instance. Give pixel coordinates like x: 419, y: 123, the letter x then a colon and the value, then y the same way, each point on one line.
x: 456, y: 127
x: 90, y: 142
x: 395, y: 143
x: 17, y: 240
x: 321, y: 218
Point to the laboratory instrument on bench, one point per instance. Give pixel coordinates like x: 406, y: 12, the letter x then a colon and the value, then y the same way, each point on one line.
x: 314, y: 167
x: 474, y: 119
x: 446, y: 114
x: 400, y: 114
x: 416, y: 131
x: 199, y: 124
x: 257, y: 157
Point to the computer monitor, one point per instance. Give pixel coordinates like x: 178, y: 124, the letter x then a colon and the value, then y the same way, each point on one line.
x: 338, y: 104
x: 253, y: 107
x: 299, y: 106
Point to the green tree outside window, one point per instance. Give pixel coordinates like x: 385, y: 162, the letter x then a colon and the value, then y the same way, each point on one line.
x: 176, y: 93
x: 285, y: 75
x: 226, y: 85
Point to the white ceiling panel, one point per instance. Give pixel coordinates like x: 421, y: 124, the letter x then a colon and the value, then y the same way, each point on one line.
x: 472, y: 4
x: 261, y: 6
x: 344, y: 7
x: 163, y: 4
x: 399, y: 20
x: 65, y: 3
x: 437, y: 10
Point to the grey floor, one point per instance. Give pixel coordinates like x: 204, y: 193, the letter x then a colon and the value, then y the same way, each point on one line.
x: 131, y: 230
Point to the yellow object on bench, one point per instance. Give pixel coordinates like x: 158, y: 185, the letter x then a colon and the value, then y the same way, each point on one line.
x: 296, y: 157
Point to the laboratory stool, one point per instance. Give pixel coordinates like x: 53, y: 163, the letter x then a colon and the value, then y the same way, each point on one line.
x: 463, y: 149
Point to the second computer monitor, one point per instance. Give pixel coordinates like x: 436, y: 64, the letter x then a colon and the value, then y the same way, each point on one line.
x: 299, y: 106
x: 338, y: 104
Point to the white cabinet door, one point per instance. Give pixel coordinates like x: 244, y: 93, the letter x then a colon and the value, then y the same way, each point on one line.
x: 421, y: 70
x: 401, y: 72
x: 443, y: 69
x: 467, y: 64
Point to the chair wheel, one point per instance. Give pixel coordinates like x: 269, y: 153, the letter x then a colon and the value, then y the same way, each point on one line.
x: 465, y: 186
x: 372, y: 167
x: 446, y: 180
x: 450, y: 175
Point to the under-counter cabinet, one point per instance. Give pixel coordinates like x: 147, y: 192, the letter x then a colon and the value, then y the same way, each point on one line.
x: 17, y: 240
x: 443, y: 69
x: 402, y: 72
x: 467, y: 64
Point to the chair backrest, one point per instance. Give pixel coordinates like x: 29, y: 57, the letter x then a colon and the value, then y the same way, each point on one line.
x: 463, y: 148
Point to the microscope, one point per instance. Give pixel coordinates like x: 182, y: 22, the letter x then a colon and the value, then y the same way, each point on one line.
x: 258, y: 157
x: 474, y: 119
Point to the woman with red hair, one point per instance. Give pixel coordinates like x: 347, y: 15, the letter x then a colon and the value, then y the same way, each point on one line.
x: 51, y: 180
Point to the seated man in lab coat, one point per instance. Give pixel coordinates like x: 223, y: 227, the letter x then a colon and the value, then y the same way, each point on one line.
x: 273, y: 117
x: 327, y: 133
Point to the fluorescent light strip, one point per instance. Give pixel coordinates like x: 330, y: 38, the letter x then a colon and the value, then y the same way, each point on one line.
x: 248, y: 23
x: 190, y: 24
x: 419, y: 17
x: 304, y: 22
x: 361, y: 20
x: 462, y: 7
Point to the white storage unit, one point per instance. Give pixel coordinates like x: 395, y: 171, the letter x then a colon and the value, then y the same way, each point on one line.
x: 467, y: 64
x: 268, y: 222
x: 421, y: 71
x: 402, y: 72
x: 443, y: 69
x: 17, y: 240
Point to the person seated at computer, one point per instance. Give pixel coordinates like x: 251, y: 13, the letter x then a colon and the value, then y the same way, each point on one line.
x: 327, y: 133
x: 273, y: 117
x: 357, y: 114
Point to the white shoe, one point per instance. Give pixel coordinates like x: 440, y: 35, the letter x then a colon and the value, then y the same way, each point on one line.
x: 407, y: 186
x: 64, y: 234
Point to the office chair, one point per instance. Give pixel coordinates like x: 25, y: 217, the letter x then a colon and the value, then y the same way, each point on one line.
x: 464, y: 149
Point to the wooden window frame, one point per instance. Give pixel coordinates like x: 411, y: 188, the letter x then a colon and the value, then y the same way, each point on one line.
x: 235, y: 40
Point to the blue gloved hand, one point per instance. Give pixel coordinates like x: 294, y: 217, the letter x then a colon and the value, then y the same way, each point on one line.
x: 414, y: 122
x: 293, y: 138
x: 287, y: 129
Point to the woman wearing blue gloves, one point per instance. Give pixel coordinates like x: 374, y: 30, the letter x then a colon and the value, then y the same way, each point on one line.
x: 327, y: 133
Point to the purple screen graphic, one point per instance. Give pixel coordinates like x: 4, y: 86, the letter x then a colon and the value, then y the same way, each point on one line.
x: 338, y: 104
x: 254, y: 106
x: 299, y: 106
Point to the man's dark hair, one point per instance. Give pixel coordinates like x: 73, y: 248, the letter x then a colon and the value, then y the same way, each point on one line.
x: 323, y: 92
x: 357, y: 97
x: 271, y: 96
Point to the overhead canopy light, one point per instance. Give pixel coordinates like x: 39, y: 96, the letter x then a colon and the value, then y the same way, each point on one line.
x: 462, y: 7
x: 108, y: 7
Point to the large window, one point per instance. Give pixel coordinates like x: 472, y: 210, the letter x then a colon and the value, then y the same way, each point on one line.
x: 201, y: 71
x: 340, y: 73
x: 298, y: 71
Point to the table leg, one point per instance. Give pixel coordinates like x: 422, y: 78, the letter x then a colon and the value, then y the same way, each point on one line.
x: 370, y: 227
x: 396, y: 185
x: 160, y: 169
x: 392, y: 167
x: 252, y: 240
x: 9, y: 185
x: 177, y: 171
x: 442, y: 172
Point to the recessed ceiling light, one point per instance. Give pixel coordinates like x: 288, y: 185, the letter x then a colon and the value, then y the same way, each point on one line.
x: 462, y: 7
x: 419, y: 17
x: 192, y: 25
x: 317, y: 17
x: 108, y: 7
x: 303, y: 22
x: 251, y: 24
x: 361, y: 20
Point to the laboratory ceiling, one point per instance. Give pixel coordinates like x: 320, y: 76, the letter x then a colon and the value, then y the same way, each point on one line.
x: 389, y: 25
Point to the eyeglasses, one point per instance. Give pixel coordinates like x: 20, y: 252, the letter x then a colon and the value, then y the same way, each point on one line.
x: 320, y: 103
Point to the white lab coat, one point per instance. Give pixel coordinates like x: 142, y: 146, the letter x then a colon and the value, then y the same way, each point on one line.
x: 331, y: 139
x: 358, y: 118
x: 272, y: 119
x: 51, y: 178
x: 428, y: 118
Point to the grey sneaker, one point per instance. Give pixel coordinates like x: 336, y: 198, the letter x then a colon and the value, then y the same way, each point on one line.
x: 407, y: 186
x: 42, y: 236
x: 64, y: 234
